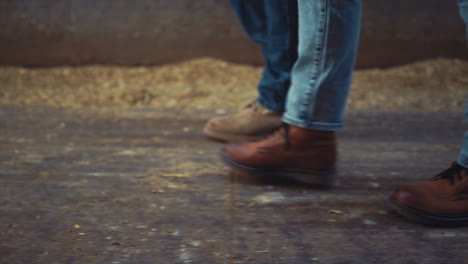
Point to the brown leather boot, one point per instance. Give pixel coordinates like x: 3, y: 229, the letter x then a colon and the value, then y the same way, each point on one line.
x: 440, y: 202
x: 304, y: 155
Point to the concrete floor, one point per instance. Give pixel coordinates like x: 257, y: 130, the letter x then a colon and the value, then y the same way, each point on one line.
x: 145, y: 186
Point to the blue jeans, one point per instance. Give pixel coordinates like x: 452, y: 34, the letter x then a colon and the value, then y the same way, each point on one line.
x: 321, y: 76
x: 463, y: 157
x: 273, y: 25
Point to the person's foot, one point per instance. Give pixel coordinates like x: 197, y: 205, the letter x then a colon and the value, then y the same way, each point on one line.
x: 305, y: 155
x: 251, y: 122
x: 440, y: 202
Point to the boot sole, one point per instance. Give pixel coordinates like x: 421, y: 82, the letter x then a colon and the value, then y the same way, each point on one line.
x: 320, y: 178
x: 428, y: 219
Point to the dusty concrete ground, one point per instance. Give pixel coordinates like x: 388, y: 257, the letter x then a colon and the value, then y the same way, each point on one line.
x: 144, y: 186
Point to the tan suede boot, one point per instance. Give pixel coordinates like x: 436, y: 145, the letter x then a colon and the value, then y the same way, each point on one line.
x: 251, y: 122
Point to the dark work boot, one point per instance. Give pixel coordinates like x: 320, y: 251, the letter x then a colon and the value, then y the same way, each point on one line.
x: 441, y: 202
x: 305, y: 155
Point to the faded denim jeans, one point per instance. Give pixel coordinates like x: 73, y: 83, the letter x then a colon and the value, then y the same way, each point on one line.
x: 321, y: 77
x: 327, y: 49
x: 273, y: 25
x: 463, y: 157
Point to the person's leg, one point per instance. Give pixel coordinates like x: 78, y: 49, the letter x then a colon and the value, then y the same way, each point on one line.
x: 305, y: 149
x: 463, y: 157
x: 279, y: 53
x: 321, y: 77
x: 273, y: 25
x: 442, y: 201
x: 463, y: 8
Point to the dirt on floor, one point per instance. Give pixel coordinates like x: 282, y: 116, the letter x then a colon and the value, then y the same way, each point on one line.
x: 205, y: 83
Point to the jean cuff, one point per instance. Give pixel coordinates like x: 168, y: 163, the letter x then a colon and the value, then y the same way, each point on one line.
x: 325, y: 126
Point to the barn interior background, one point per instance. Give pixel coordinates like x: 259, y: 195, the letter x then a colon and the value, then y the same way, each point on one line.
x: 196, y: 51
x: 152, y: 32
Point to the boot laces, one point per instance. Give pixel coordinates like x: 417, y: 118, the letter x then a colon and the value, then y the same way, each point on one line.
x: 452, y: 173
x: 256, y: 107
x: 253, y: 104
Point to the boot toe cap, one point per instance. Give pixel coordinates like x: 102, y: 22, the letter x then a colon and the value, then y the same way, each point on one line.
x: 402, y: 194
x: 407, y: 196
